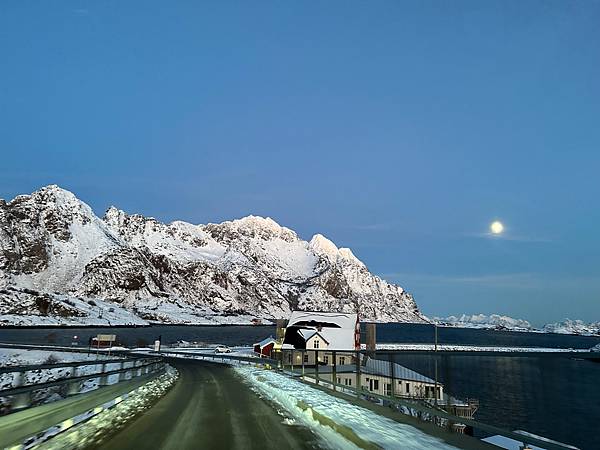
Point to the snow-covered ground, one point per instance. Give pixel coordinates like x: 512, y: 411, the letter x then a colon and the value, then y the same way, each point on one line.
x: 81, y: 312
x: 340, y: 424
x: 112, y: 416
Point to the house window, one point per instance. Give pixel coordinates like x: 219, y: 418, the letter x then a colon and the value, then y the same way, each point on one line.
x: 339, y: 380
x: 326, y: 359
x: 388, y: 389
x: 407, y: 388
x: 376, y: 384
x: 306, y: 357
x: 349, y: 381
x: 316, y: 343
x: 342, y: 360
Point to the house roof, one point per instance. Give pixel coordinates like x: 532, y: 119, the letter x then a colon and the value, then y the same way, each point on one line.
x: 328, y: 319
x: 266, y: 341
x: 381, y: 368
x: 337, y: 338
x: 308, y: 334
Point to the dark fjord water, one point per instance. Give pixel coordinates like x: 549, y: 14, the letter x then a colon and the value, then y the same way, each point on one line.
x: 557, y: 397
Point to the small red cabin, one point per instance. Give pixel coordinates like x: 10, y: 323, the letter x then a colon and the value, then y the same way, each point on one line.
x: 265, y: 347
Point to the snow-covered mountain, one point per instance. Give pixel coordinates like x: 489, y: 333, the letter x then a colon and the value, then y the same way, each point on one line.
x: 493, y: 321
x: 498, y: 322
x: 569, y: 326
x: 60, y: 263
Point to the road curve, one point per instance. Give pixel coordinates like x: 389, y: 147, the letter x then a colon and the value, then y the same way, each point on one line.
x: 209, y: 408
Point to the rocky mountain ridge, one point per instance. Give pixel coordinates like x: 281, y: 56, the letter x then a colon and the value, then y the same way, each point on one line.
x: 55, y: 250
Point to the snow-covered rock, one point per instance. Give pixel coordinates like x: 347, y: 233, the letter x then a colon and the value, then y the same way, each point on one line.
x: 493, y: 321
x: 57, y: 256
x: 569, y: 326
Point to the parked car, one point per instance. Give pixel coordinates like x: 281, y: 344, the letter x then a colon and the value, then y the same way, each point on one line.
x: 222, y: 349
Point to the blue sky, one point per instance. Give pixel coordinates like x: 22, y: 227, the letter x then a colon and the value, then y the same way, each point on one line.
x: 399, y: 129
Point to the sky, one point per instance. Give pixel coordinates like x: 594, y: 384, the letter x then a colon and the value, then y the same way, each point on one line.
x: 400, y: 129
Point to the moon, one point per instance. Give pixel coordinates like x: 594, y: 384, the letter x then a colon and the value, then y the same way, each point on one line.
x: 496, y: 227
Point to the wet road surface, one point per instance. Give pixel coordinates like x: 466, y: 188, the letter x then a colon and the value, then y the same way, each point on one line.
x: 210, y: 408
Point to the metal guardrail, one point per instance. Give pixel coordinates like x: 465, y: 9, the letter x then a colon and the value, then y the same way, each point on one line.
x: 21, y: 393
x: 220, y: 356
x: 58, y: 365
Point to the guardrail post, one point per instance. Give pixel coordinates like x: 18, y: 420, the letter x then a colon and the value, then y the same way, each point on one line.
x: 358, y: 380
x: 122, y: 375
x: 334, y: 371
x: 392, y: 376
x: 103, y: 378
x: 23, y: 400
x: 73, y: 387
x: 316, y: 366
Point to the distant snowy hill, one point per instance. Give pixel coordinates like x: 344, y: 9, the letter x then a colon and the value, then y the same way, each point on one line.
x: 573, y: 327
x: 60, y: 263
x: 498, y: 322
x: 493, y: 321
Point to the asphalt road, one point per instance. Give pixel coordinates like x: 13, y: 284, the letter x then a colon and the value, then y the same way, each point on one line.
x: 209, y: 408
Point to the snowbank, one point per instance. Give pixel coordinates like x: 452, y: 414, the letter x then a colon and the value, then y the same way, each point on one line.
x: 338, y: 422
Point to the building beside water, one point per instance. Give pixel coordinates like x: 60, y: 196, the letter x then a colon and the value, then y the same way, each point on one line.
x: 324, y: 348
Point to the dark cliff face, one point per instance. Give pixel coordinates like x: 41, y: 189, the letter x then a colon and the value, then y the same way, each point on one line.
x: 24, y: 235
x: 52, y: 242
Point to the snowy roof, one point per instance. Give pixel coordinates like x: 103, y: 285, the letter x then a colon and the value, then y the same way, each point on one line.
x: 510, y: 444
x: 337, y: 338
x: 380, y: 367
x: 339, y: 320
x: 266, y: 341
x: 307, y: 333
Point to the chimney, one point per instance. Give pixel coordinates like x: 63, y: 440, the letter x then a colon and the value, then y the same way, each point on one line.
x: 371, y: 337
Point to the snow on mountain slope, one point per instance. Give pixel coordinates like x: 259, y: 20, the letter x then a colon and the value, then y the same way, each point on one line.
x: 47, y: 237
x: 494, y: 321
x: 52, y: 244
x: 569, y: 326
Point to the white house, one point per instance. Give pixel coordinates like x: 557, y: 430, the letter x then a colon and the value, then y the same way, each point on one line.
x: 323, y: 331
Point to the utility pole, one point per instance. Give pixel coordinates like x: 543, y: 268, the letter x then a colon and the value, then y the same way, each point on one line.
x: 435, y: 391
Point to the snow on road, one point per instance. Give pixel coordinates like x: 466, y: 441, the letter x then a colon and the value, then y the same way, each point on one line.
x: 340, y: 423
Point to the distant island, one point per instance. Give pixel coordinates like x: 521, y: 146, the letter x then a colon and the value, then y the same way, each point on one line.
x: 499, y: 322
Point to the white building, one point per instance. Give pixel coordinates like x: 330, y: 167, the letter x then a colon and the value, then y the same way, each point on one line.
x: 323, y: 331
